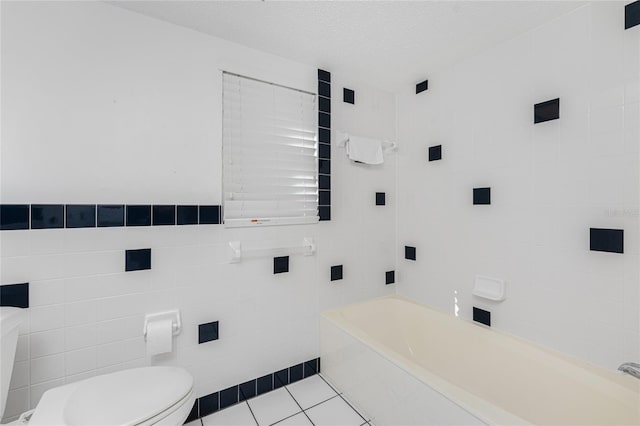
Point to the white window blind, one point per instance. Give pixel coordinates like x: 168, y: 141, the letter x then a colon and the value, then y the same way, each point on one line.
x: 270, y: 166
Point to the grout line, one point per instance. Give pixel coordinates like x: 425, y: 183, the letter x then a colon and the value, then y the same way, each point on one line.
x: 322, y: 402
x: 298, y: 404
x: 251, y: 411
x: 329, y: 384
x: 288, y: 417
x: 349, y: 404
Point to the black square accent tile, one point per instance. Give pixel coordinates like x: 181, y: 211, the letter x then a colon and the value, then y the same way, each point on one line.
x: 546, y: 111
x: 137, y: 260
x: 390, y: 277
x: 14, y: 216
x: 209, y: 404
x: 16, y: 295
x: 324, y: 136
x: 187, y: 215
x: 409, y: 253
x: 164, y: 215
x: 264, y: 384
x: 296, y: 373
x: 608, y: 240
x: 324, y: 151
x: 324, y: 120
x: 324, y: 166
x: 319, y: 367
x: 336, y: 272
x: 380, y: 199
x: 280, y: 378
x: 481, y: 196
x: 422, y: 86
x: 47, y: 216
x: 435, y: 153
x: 208, y: 332
x: 324, y: 104
x: 324, y: 198
x: 280, y: 264
x: 247, y: 390
x: 311, y: 367
x: 210, y: 215
x: 139, y: 215
x: 632, y: 15
x: 324, y: 182
x: 228, y: 397
x: 324, y: 89
x: 110, y: 215
x: 324, y: 213
x: 482, y: 316
x: 324, y: 75
x: 193, y: 414
x: 348, y: 96
x: 81, y: 215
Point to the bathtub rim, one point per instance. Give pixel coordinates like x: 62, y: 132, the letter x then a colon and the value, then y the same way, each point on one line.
x: 478, y: 407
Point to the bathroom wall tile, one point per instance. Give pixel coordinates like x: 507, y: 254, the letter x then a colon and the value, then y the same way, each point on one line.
x: 247, y: 390
x: 14, y: 295
x: 281, y: 378
x: 632, y: 14
x: 324, y: 136
x: 138, y: 215
x: 435, y: 153
x: 324, y: 166
x: 45, y: 216
x: 296, y: 373
x: 80, y: 337
x: 81, y: 215
x: 187, y: 215
x: 324, y: 182
x: 422, y: 86
x: 14, y: 216
x: 409, y: 253
x: 17, y: 402
x: 110, y: 215
x: 390, y: 277
x: 208, y: 332
x: 324, y: 89
x: 546, y: 111
x: 193, y: 414
x: 264, y: 384
x: 324, y: 120
x: 20, y: 375
x: 137, y: 260
x: 46, y: 343
x: 324, y: 198
x: 228, y: 397
x: 209, y: 404
x: 324, y: 75
x: 47, y: 368
x: 280, y: 264
x: 324, y: 104
x: 482, y: 316
x: 311, y: 367
x: 80, y: 361
x: 380, y: 199
x: 336, y: 272
x: 481, y: 196
x: 348, y: 96
x: 324, y: 212
x: 607, y: 240
x: 164, y: 215
x: 210, y: 215
x: 324, y: 150
x: 43, y: 318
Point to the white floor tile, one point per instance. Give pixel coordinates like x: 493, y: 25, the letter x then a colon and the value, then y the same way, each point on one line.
x: 273, y: 406
x: 334, y: 412
x: 311, y: 391
x: 297, y: 420
x: 194, y: 423
x: 237, y: 415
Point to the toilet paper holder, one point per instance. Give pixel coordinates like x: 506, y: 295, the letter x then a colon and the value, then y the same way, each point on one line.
x: 174, y: 316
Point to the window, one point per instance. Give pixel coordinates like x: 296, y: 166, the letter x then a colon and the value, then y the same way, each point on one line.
x: 269, y: 143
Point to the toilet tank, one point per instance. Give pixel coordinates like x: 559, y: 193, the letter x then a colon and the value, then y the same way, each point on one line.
x: 10, y: 320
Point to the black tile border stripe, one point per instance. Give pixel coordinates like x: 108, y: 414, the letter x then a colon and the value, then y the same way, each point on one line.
x: 16, y: 295
x: 324, y: 145
x: 19, y: 217
x: 211, y: 403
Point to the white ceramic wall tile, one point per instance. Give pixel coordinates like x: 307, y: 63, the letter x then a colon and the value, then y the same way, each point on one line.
x: 273, y: 406
x: 237, y: 415
x: 47, y: 343
x: 80, y: 361
x: 44, y: 318
x: 20, y: 375
x: 47, y: 368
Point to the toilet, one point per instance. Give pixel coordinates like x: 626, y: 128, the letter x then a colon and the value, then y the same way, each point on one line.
x: 139, y: 396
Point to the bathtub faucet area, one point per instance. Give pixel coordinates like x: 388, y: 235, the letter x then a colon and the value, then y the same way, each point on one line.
x: 632, y: 368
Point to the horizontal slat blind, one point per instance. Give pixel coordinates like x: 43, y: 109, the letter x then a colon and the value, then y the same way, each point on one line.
x: 270, y: 170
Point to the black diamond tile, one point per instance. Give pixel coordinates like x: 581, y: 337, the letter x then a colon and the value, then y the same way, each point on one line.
x: 546, y: 111
x: 280, y: 264
x: 409, y: 253
x: 482, y: 316
x: 137, y: 260
x: 336, y: 272
x: 348, y: 96
x: 380, y: 199
x: 390, y: 277
x: 422, y: 86
x: 481, y: 196
x: 435, y: 153
x: 208, y: 332
x: 607, y: 240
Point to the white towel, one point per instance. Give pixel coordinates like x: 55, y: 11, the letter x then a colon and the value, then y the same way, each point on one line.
x: 364, y: 150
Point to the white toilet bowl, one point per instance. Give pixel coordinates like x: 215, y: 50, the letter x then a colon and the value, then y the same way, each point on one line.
x: 140, y: 396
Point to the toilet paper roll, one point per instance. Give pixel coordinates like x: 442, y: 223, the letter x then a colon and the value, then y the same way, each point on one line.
x: 159, y: 337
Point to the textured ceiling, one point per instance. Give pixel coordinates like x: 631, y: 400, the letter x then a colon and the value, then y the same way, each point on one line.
x: 386, y: 43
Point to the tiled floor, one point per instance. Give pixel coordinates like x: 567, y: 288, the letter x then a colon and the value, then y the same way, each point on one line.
x: 311, y: 401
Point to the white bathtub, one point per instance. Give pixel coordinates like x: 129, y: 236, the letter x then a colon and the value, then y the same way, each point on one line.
x: 404, y: 363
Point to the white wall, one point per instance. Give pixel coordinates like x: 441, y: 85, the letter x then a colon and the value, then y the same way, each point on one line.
x: 550, y: 183
x: 101, y: 105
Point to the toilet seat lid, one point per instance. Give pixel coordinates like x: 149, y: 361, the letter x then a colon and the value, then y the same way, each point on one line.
x: 127, y: 397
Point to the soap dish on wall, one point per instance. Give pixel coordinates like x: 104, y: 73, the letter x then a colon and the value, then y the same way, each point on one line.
x: 489, y: 288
